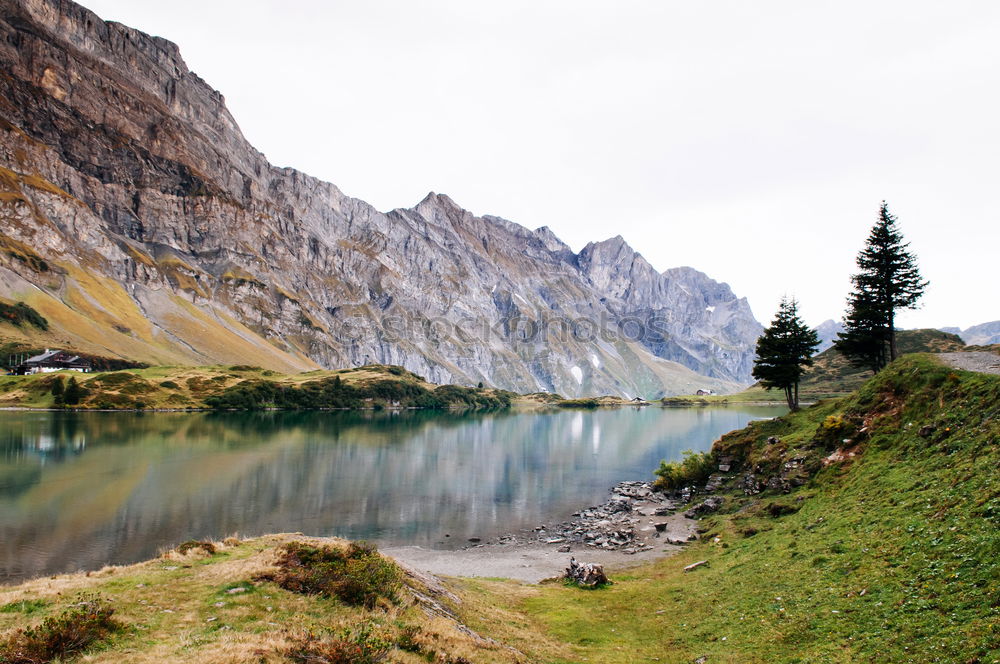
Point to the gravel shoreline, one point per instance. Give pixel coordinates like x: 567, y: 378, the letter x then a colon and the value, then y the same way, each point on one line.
x: 980, y: 361
x: 634, y: 526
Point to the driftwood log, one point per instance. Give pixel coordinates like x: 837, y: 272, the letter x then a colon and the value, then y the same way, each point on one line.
x: 586, y: 575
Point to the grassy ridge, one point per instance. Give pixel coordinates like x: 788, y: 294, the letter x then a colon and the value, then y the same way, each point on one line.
x: 243, y: 387
x: 831, y: 374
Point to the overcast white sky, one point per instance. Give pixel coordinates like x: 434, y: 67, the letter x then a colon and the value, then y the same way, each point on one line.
x: 751, y: 140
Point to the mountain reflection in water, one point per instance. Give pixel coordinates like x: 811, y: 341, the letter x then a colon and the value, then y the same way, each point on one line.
x: 80, y: 490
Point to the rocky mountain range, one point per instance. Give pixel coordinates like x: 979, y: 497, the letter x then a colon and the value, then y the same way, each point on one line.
x: 138, y: 220
x: 827, y: 332
x: 983, y: 334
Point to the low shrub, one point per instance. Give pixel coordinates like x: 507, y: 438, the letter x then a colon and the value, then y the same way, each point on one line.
x: 695, y: 468
x: 191, y: 545
x: 578, y: 403
x: 170, y: 385
x: 357, y: 574
x: 70, y: 633
x: 834, y: 429
x: 358, y: 645
x: 407, y: 640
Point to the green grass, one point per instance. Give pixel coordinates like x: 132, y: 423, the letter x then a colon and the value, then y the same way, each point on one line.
x: 890, y: 556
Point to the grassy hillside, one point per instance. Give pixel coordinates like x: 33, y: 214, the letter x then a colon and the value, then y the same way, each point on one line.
x: 863, y: 529
x: 246, y: 387
x: 889, y: 552
x: 831, y: 375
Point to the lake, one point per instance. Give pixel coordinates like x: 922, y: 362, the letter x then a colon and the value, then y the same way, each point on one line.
x: 80, y: 490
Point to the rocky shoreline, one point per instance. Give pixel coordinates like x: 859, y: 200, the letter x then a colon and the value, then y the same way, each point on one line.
x: 635, y: 525
x: 628, y: 521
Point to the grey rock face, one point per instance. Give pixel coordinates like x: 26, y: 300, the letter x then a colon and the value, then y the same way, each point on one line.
x: 983, y: 334
x: 167, y: 237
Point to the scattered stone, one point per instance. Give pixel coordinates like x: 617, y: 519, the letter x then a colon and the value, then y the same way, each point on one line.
x: 709, y: 505
x: 778, y: 483
x: 586, y: 575
x: 773, y: 440
x: 618, y: 524
x: 236, y: 591
x: 750, y: 484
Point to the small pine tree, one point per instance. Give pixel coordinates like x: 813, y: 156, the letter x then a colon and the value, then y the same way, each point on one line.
x: 888, y: 280
x: 73, y: 392
x: 57, y: 391
x: 784, y: 351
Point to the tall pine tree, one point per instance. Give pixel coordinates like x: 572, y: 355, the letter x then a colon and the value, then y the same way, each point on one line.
x: 784, y: 351
x: 888, y: 281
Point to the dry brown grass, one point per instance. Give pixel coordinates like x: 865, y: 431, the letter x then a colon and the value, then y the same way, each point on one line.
x: 200, y: 607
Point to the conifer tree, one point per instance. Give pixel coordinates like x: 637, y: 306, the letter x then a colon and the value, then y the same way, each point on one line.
x: 784, y: 351
x: 57, y: 390
x: 73, y: 392
x: 888, y: 280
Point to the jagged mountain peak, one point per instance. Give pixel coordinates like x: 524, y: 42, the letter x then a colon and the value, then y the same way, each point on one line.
x: 552, y: 242
x: 139, y: 221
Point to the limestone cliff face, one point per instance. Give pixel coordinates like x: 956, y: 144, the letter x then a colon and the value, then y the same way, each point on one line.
x: 137, y: 218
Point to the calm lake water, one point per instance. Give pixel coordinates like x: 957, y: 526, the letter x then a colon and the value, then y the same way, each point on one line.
x: 79, y: 490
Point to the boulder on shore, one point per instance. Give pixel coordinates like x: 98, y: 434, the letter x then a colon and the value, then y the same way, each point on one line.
x: 586, y: 575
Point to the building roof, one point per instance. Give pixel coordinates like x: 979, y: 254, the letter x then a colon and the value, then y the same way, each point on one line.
x: 56, y: 357
x: 41, y: 357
